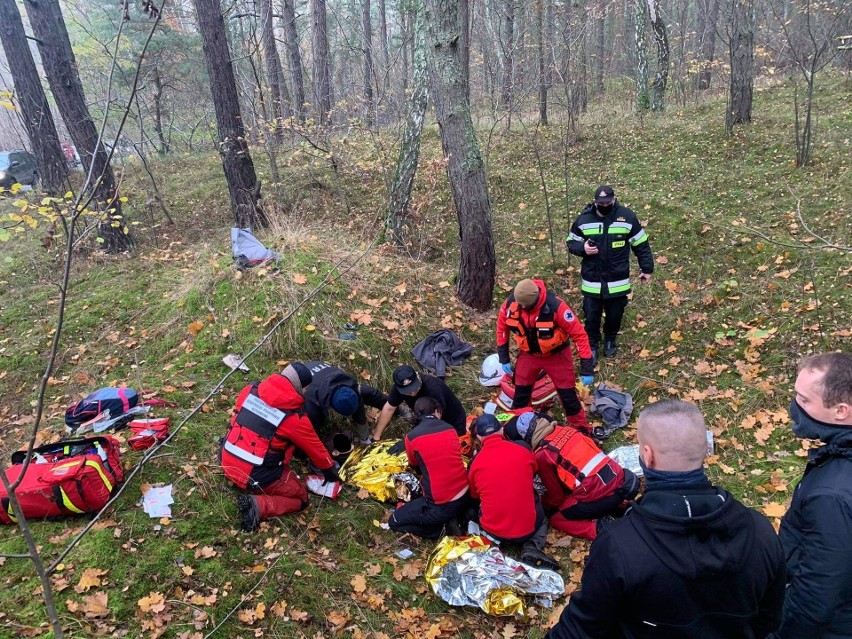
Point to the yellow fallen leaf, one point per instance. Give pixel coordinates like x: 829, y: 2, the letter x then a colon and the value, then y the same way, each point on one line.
x: 310, y: 328
x: 298, y: 278
x: 774, y: 510
x: 195, y: 328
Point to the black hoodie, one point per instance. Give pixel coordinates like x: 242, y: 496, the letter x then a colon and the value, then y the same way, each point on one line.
x: 687, y: 563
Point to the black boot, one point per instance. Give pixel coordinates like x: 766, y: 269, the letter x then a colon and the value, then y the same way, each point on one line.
x: 610, y: 347
x: 594, y: 354
x: 249, y: 513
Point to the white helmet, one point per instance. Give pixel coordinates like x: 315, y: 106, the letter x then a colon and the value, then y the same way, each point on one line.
x: 492, y: 371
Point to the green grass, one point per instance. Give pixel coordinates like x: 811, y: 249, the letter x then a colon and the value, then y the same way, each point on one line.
x: 723, y: 323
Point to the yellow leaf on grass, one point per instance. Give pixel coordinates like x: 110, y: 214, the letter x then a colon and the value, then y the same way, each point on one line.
x: 774, y: 510
x: 359, y: 583
x: 155, y: 602
x: 91, y: 578
x: 298, y: 278
x: 444, y: 284
x: 310, y: 328
x: 195, y: 328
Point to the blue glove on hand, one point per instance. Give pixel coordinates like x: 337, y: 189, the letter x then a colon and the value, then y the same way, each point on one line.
x: 507, y: 368
x: 587, y: 380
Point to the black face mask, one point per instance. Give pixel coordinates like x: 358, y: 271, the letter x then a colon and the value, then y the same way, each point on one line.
x: 604, y: 209
x: 807, y: 427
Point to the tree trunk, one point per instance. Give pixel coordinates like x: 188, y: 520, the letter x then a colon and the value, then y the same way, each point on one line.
x: 32, y: 102
x: 322, y: 70
x: 741, y: 49
x: 643, y: 100
x: 600, y: 49
x: 409, y: 152
x: 708, y: 43
x: 369, y: 102
x: 61, y: 69
x: 658, y: 90
x: 464, y: 45
x: 383, y: 45
x: 274, y: 73
x: 542, y: 70
x: 465, y: 166
x: 508, y: 47
x: 158, y: 111
x: 291, y: 42
x: 243, y: 185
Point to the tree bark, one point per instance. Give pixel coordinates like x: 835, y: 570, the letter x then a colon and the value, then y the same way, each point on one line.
x: 291, y: 42
x: 60, y: 67
x: 658, y: 25
x: 32, y: 102
x: 274, y: 72
x: 322, y: 70
x: 465, y: 166
x: 243, y: 185
x: 409, y: 152
x: 600, y: 49
x: 542, y: 63
x: 464, y: 45
x: 741, y: 50
x: 383, y: 46
x: 158, y: 111
x: 369, y: 101
x: 643, y: 99
x: 508, y: 53
x: 708, y: 42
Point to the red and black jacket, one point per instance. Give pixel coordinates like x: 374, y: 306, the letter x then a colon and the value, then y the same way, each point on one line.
x: 433, y: 448
x: 267, y: 426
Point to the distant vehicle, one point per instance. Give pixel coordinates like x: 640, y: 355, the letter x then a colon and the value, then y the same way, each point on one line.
x: 71, y: 155
x: 18, y: 167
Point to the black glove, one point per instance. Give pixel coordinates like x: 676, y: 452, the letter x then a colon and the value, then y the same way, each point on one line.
x: 397, y: 448
x: 330, y: 474
x: 587, y: 366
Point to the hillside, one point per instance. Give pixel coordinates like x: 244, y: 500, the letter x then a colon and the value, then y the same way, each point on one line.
x: 744, y: 286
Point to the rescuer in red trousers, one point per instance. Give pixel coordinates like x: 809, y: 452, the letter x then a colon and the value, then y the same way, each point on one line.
x: 543, y: 326
x: 267, y: 426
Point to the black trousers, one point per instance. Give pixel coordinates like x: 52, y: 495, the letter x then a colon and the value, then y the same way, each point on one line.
x: 426, y: 519
x: 612, y: 309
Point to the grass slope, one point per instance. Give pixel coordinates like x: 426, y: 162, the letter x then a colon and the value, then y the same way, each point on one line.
x: 722, y: 324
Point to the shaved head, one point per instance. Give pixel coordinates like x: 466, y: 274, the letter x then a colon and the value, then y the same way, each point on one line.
x: 672, y: 436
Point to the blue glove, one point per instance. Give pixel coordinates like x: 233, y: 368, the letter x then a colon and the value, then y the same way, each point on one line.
x: 587, y: 380
x: 507, y: 368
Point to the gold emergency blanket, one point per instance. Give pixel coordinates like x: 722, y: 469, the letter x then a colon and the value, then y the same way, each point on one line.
x: 373, y: 468
x: 470, y: 571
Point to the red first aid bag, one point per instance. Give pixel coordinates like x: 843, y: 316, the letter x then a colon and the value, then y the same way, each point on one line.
x: 543, y: 394
x: 147, y: 432
x: 72, y: 477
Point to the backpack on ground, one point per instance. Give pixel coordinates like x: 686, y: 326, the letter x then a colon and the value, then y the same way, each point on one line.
x: 543, y: 394
x: 71, y: 477
x: 116, y: 400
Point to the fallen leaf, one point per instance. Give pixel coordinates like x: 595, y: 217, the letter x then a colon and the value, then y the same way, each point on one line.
x: 774, y: 510
x: 359, y: 583
x: 155, y: 602
x: 298, y: 278
x: 91, y: 578
x: 195, y: 328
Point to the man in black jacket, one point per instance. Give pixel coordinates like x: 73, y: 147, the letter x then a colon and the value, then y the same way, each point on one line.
x: 603, y: 236
x: 334, y: 389
x: 816, y: 532
x: 688, y: 561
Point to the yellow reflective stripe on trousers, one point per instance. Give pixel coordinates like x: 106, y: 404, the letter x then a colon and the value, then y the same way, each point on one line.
x: 67, y: 502
x: 11, y: 512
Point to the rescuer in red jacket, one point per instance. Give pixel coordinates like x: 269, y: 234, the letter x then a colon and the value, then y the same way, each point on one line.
x: 582, y: 483
x: 543, y: 325
x: 501, y: 477
x: 433, y: 449
x: 267, y: 426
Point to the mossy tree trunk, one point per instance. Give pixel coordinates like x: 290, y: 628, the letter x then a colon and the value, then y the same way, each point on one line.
x: 31, y: 100
x: 60, y: 66
x: 243, y: 185
x: 465, y: 165
x: 643, y: 99
x: 741, y: 50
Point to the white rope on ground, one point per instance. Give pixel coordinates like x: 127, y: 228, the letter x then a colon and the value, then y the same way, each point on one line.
x: 153, y: 450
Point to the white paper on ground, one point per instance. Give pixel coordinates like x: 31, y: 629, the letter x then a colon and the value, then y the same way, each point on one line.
x: 156, y: 501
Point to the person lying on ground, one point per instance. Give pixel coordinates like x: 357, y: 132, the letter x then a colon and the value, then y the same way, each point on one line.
x: 408, y: 386
x: 434, y: 451
x: 334, y: 389
x: 266, y: 428
x: 501, y: 477
x: 584, y: 486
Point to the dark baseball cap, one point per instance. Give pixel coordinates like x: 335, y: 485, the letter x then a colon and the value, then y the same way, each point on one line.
x: 604, y: 194
x: 406, y: 380
x: 486, y: 425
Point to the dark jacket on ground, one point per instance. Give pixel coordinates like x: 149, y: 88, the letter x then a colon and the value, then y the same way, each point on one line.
x: 433, y: 448
x: 816, y: 534
x: 441, y: 349
x: 607, y: 274
x: 452, y: 411
x: 661, y: 573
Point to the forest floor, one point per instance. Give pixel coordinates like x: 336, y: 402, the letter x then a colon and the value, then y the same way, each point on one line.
x: 744, y: 286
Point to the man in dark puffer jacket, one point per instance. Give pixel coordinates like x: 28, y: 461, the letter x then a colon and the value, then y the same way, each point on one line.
x: 688, y: 561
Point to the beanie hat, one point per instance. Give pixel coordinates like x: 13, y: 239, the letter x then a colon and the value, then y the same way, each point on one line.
x: 526, y: 292
x: 486, y: 425
x: 345, y: 401
x: 299, y: 376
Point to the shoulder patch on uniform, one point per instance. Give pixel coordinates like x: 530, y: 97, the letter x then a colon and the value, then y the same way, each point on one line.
x: 569, y: 316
